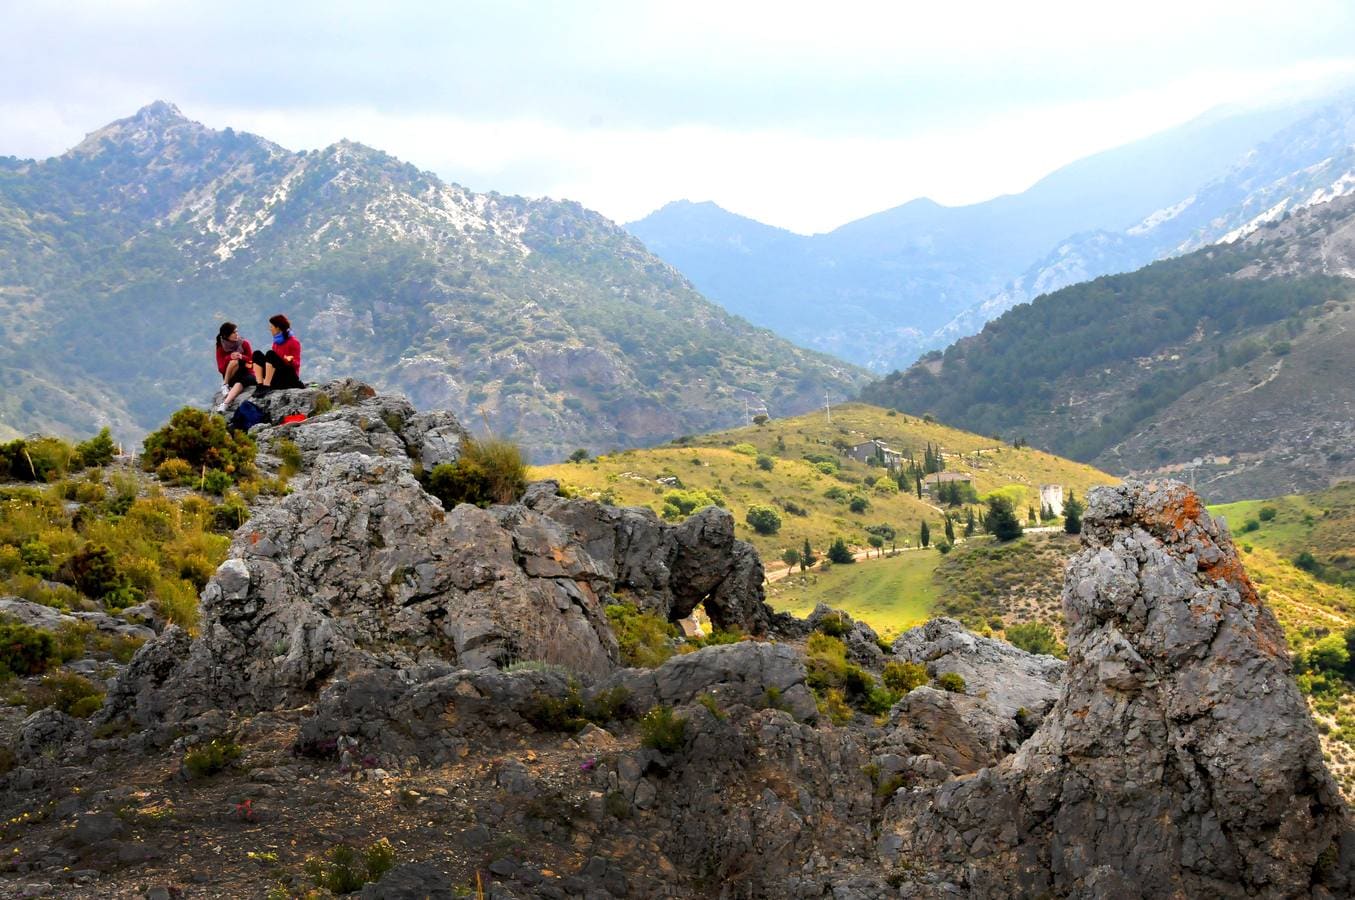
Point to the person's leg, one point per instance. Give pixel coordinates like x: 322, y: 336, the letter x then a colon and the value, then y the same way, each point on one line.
x: 231, y: 368
x: 281, y: 375
x: 259, y: 363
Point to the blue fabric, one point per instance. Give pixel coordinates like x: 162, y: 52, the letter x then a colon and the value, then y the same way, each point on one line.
x: 279, y: 338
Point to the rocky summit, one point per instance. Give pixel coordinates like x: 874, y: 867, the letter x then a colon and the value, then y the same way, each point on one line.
x: 371, y: 664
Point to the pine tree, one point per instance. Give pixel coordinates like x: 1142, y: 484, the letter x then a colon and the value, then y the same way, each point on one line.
x: 924, y: 535
x: 1001, y: 520
x: 969, y: 524
x: 950, y: 529
x: 1072, y: 515
x: 806, y: 556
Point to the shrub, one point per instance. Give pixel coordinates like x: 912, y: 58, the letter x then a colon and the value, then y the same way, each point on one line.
x: 661, y: 730
x: 37, y: 459
x: 765, y: 462
x: 488, y: 471
x: 902, y: 677
x: 208, y: 759
x: 321, y: 405
x: 840, y: 553
x: 1250, y: 525
x: 68, y: 692
x: 712, y: 706
x: 645, y: 639
x: 1034, y: 637
x: 1001, y: 520
x: 679, y: 503
x: 951, y: 681
x: 764, y: 519
x: 98, y: 450
x: 174, y: 471
x: 1267, y: 513
x: 290, y: 454
x: 744, y: 449
x: 879, y: 700
x: 216, y: 482
x: 200, y: 439
x: 25, y: 650
x: 858, y: 504
x: 343, y: 870
x: 1330, y: 654
x: 834, y: 624
x: 230, y: 514
x: 825, y: 661
x: 833, y: 705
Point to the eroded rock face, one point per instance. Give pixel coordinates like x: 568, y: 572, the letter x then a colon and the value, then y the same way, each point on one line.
x: 1179, y: 759
x: 359, y: 569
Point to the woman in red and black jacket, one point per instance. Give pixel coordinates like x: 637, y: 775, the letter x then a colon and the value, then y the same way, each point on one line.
x: 233, y: 358
x: 280, y: 367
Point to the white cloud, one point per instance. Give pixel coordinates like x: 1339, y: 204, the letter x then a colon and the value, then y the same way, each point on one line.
x: 803, y: 182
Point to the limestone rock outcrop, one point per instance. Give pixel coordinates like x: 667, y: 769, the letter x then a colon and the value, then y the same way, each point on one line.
x: 359, y: 569
x: 1179, y: 760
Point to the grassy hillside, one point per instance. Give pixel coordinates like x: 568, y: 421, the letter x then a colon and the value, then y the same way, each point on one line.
x: 1321, y: 524
x: 891, y: 594
x: 814, y: 504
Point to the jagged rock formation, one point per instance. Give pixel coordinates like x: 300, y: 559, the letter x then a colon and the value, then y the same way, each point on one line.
x: 1179, y: 760
x: 359, y: 569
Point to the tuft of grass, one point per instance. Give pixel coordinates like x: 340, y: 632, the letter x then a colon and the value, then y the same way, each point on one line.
x: 489, y: 471
x: 208, y: 759
x: 68, y: 692
x: 645, y: 639
x: 344, y: 869
x: 661, y: 729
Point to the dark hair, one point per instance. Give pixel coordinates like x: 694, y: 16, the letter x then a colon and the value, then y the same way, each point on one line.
x: 225, y: 331
x: 280, y: 322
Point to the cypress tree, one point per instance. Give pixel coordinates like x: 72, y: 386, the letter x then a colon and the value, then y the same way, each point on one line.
x: 1072, y: 515
x: 924, y: 534
x: 950, y: 529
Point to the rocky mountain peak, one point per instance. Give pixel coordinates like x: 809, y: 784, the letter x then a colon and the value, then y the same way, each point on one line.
x: 1179, y: 759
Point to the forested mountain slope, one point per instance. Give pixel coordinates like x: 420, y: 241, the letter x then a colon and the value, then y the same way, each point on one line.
x: 1242, y: 355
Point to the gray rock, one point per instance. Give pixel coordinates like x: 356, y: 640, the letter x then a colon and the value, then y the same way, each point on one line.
x: 1008, y: 678
x: 46, y: 731
x: 963, y: 733
x: 359, y: 569
x: 94, y: 829
x: 410, y: 881
x: 740, y: 673
x: 860, y: 639
x: 33, y: 614
x: 1179, y: 760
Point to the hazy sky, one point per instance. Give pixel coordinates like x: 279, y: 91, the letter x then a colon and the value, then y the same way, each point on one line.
x: 804, y: 115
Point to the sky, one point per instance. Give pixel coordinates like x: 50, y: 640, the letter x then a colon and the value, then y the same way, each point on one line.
x: 801, y: 115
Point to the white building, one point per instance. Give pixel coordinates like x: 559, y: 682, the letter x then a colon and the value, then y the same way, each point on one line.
x: 1051, y: 495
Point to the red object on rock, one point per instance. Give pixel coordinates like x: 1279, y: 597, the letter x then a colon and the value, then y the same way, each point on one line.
x: 294, y: 417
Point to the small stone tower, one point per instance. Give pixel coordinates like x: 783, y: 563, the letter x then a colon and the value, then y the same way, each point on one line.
x: 1051, y: 495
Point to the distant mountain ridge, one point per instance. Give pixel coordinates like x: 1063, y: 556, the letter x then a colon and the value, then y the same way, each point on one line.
x: 883, y: 289
x: 538, y: 318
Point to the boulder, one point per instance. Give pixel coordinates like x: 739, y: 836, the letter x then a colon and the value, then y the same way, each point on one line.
x: 33, y: 614
x: 46, y: 731
x: 749, y: 673
x: 1180, y: 758
x: 1007, y: 677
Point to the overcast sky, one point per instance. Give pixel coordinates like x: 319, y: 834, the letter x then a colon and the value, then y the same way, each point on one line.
x: 803, y: 115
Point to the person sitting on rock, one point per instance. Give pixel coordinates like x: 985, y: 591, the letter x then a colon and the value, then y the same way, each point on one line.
x: 280, y: 367
x: 233, y: 358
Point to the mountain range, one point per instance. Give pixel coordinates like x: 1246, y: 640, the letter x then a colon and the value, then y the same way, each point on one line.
x: 1232, y: 366
x: 534, y: 318
x: 882, y: 290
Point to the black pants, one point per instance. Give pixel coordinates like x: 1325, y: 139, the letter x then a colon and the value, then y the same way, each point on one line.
x: 284, y: 376
x: 243, y: 374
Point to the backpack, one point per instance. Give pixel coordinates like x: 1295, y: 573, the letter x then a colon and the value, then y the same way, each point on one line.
x: 246, y: 416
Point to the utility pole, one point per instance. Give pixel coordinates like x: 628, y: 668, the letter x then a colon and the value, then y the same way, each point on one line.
x: 827, y: 404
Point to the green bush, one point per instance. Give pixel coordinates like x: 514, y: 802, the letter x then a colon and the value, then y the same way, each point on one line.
x: 764, y: 519
x: 37, y: 459
x: 208, y: 759
x: 343, y: 870
x: 1267, y: 513
x: 1001, y: 520
x: 680, y: 503
x: 645, y: 639
x: 879, y: 700
x: 25, y: 650
x: 858, y: 504
x: 216, y: 482
x: 765, y: 462
x: 487, y: 472
x: 951, y: 681
x: 290, y: 454
x: 840, y: 553
x: 230, y: 514
x: 98, y: 450
x: 68, y: 692
x: 834, y: 705
x: 902, y: 677
x: 200, y: 439
x: 661, y: 730
x: 1035, y: 637
x: 834, y: 624
x: 744, y: 449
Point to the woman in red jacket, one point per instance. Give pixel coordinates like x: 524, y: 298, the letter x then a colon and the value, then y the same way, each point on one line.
x: 280, y: 367
x: 233, y: 357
